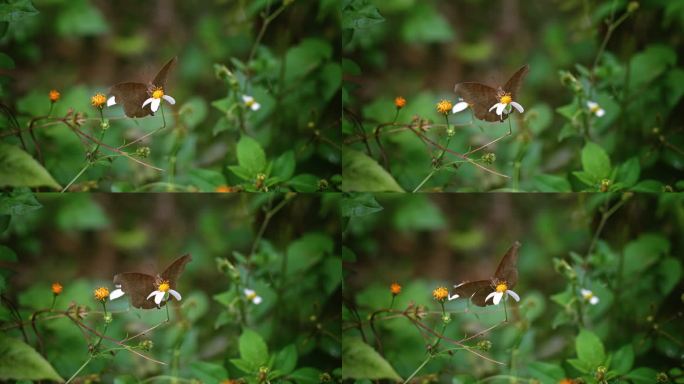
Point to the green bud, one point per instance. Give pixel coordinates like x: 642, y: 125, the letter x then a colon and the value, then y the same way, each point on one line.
x: 143, y: 152
x: 632, y: 6
x: 104, y: 124
x: 662, y: 377
x: 323, y: 184
x: 605, y: 185
x: 108, y: 318
x: 446, y: 318
x: 489, y: 158
x: 451, y: 131
x: 484, y: 345
x: 324, y: 377
x: 146, y: 345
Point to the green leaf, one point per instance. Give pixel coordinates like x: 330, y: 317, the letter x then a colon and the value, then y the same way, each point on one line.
x: 623, y: 360
x: 361, y: 361
x: 208, y: 373
x: 648, y: 186
x: 19, y: 169
x: 303, y: 58
x: 359, y: 14
x: 580, y: 365
x: 418, y: 213
x: 251, y: 156
x: 241, y: 172
x: 669, y: 274
x: 7, y: 254
x: 552, y: 183
x: 628, y: 172
x: 642, y: 376
x: 359, y: 204
x: 590, y: 348
x: 18, y: 202
x: 545, y: 372
x: 305, y: 183
x: 595, y: 161
x: 253, y: 348
x: 306, y: 375
x: 306, y: 251
x: 79, y: 211
x: 14, y: 10
x: 6, y: 62
x: 643, y: 252
x: 18, y: 361
x: 286, y: 359
x: 80, y: 18
x: 284, y: 166
x: 647, y: 65
x: 363, y: 174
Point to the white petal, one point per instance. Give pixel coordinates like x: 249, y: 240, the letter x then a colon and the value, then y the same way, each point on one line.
x: 594, y: 300
x: 490, y: 296
x: 500, y: 108
x: 255, y: 106
x: 494, y: 106
x: 175, y: 294
x: 455, y: 296
x: 155, y: 105
x: 585, y: 292
x: 497, y: 297
x: 169, y: 99
x: 116, y: 294
x: 600, y: 112
x: 257, y: 300
x: 517, y: 106
x: 111, y: 101
x: 460, y: 106
x: 152, y: 294
x: 147, y: 102
x: 159, y: 297
x: 592, y: 104
x: 513, y: 295
x: 247, y: 99
x: 248, y: 292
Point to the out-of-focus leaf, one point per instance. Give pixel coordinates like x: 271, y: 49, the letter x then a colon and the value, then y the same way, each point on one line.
x: 15, y: 10
x: 361, y: 173
x: 590, y: 348
x: 18, y: 361
x: 209, y: 373
x: 19, y: 169
x: 360, y: 361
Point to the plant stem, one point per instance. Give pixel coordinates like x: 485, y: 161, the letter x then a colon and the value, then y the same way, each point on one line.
x: 418, y: 369
x: 79, y: 370
x: 425, y: 180
x: 77, y: 176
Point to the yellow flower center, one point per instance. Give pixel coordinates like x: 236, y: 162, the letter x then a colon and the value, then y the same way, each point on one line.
x: 98, y: 100
x: 444, y: 106
x: 501, y: 287
x: 251, y: 296
x: 101, y: 293
x: 594, y: 108
x: 158, y: 93
x: 164, y: 286
x: 506, y: 99
x: 440, y: 293
x: 588, y: 295
x: 250, y: 102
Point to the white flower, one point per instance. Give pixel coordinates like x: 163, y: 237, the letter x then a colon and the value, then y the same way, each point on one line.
x: 589, y: 296
x: 155, y: 100
x: 161, y: 293
x: 460, y: 106
x: 506, y: 104
x: 595, y: 108
x: 252, y: 296
x: 118, y: 292
x: 251, y: 103
x: 111, y: 101
x: 499, y: 292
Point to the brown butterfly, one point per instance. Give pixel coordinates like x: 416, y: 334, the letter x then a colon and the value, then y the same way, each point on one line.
x: 139, y: 285
x: 506, y: 274
x: 481, y: 98
x: 132, y: 95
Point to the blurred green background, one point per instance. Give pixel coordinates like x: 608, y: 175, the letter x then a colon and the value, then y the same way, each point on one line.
x: 82, y: 240
x: 283, y: 53
x: 420, y: 49
x: 424, y: 242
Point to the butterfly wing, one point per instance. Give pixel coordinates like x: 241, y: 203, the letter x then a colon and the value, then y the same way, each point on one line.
x: 137, y: 286
x: 132, y: 96
x: 508, y: 266
x: 476, y: 291
x: 480, y: 97
x: 513, y: 84
x: 174, y: 270
x: 160, y: 79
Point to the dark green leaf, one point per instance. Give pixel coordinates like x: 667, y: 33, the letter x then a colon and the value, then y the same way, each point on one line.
x: 590, y: 348
x: 19, y: 361
x: 361, y: 361
x: 19, y: 169
x: 361, y: 173
x: 251, y: 156
x: 253, y: 348
x: 595, y: 161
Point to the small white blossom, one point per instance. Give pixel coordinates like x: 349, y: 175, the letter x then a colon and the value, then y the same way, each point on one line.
x: 155, y: 99
x: 252, y: 296
x: 118, y: 292
x: 163, y: 292
x: 595, y: 108
x: 589, y: 296
x: 506, y: 104
x: 500, y: 291
x: 460, y: 106
x: 251, y: 103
